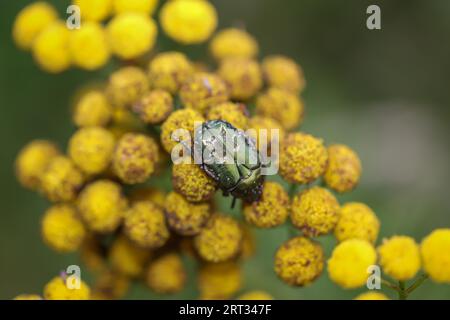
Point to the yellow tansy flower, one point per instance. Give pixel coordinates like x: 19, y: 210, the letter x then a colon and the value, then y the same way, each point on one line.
x: 166, y: 274
x: 186, y: 218
x: 145, y: 224
x: 169, y: 70
x: 131, y: 35
x: 58, y: 289
x: 371, y: 295
x: 315, y: 211
x: 299, y: 261
x: 220, y: 239
x: 233, y: 42
x: 91, y: 149
x: 102, y: 206
x: 94, y: 10
x: 435, y: 251
x: 31, y: 21
x: 51, y: 48
x: 61, y: 180
x: 243, y: 75
x: 283, y: 73
x: 219, y: 280
x: 188, y: 21
x: 273, y: 208
x: 127, y: 258
x: 135, y: 158
x: 344, y: 168
x: 62, y: 229
x: 357, y: 221
x: 203, y: 91
x: 192, y: 182
x: 399, y: 257
x: 92, y: 109
x: 32, y: 161
x: 349, y: 263
x: 303, y: 158
x: 282, y: 106
x: 89, y: 47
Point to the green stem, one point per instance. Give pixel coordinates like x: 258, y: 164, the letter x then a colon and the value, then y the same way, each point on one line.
x: 402, y: 294
x: 417, y: 283
x: 292, y: 190
x: 235, y: 208
x: 292, y: 231
x: 390, y: 285
x: 323, y: 184
x: 401, y: 289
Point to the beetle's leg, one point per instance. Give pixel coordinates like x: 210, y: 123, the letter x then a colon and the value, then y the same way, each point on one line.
x: 233, y: 203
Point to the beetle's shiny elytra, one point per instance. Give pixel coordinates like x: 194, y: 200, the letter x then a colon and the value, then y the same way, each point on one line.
x: 231, y: 158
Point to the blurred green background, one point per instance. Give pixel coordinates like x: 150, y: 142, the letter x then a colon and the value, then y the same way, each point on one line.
x: 386, y: 93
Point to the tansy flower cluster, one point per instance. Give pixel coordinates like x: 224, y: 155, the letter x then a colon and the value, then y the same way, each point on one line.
x: 107, y: 191
x: 125, y: 29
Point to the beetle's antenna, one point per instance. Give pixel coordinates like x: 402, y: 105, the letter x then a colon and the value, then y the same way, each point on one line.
x: 233, y: 203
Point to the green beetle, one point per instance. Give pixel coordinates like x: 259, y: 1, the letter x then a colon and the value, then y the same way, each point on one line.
x: 231, y: 158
